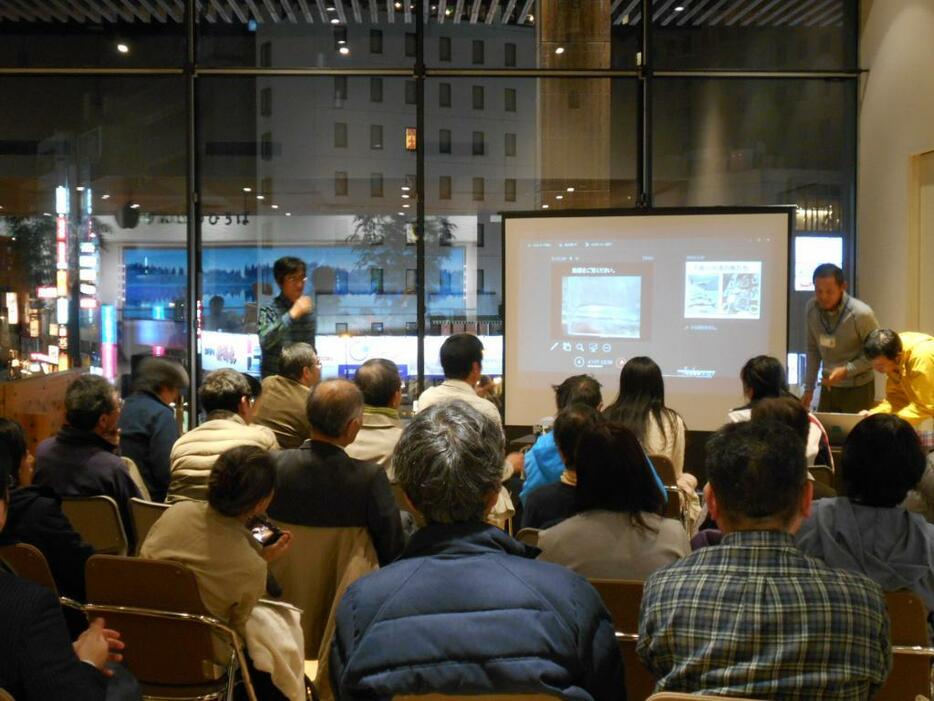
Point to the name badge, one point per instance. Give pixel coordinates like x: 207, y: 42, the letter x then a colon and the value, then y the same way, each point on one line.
x: 827, y: 341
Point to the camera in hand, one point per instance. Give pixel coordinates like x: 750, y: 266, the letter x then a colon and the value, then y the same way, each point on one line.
x: 265, y: 531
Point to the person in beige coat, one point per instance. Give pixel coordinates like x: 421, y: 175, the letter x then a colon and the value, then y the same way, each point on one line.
x: 226, y: 397
x: 285, y: 395
x: 381, y: 385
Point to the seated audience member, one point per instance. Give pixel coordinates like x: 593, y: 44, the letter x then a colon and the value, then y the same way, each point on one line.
x: 486, y: 388
x: 213, y: 540
x: 907, y: 361
x: 618, y: 532
x: 381, y: 385
x: 38, y: 661
x: 320, y: 485
x: 763, y: 376
x: 555, y: 502
x: 542, y: 463
x: 284, y: 395
x: 866, y: 530
x: 640, y: 407
x: 34, y: 516
x: 81, y: 459
x: 147, y: 424
x: 790, y: 411
x: 465, y: 609
x: 226, y: 397
x: 754, y: 616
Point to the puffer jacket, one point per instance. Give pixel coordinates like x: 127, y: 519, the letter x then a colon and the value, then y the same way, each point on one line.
x: 464, y: 609
x: 193, y: 454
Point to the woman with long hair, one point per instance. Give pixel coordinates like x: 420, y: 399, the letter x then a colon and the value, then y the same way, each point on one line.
x: 618, y: 532
x: 640, y: 407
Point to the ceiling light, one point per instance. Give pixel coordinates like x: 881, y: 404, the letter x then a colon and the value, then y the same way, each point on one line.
x: 343, y: 51
x: 135, y: 205
x: 261, y: 197
x: 123, y: 48
x: 248, y: 189
x: 398, y: 5
x: 105, y: 197
x: 544, y: 206
x: 406, y: 206
x: 341, y: 42
x: 288, y: 214
x: 559, y: 50
x: 1, y: 206
x: 559, y: 197
x: 531, y: 18
x: 80, y: 188
x: 401, y: 214
x: 406, y: 188
x: 274, y: 206
x: 405, y: 197
x: 570, y: 189
x: 331, y: 8
x: 679, y: 8
x: 335, y: 20
x: 448, y: 11
x: 46, y: 214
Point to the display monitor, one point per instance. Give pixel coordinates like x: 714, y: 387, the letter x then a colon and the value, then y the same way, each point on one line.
x: 699, y: 291
x: 811, y: 251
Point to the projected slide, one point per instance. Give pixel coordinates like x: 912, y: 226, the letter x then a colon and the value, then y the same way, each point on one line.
x: 698, y: 293
x: 722, y: 290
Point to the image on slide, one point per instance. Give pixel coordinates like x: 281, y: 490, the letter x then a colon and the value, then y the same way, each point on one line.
x: 722, y: 289
x: 604, y: 305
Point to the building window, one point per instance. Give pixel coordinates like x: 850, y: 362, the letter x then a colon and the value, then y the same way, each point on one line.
x: 411, y: 280
x: 265, y: 55
x: 510, y: 99
x: 376, y: 41
x: 481, y: 235
x: 265, y: 146
x: 478, y: 189
x: 477, y: 54
x: 510, y: 57
x: 410, y: 44
x: 340, y: 37
x: 265, y: 102
x: 479, y: 147
x: 376, y: 184
x: 444, y: 49
x: 376, y: 136
x: 444, y: 187
x: 411, y: 92
x: 444, y: 141
x: 444, y: 95
x: 478, y: 97
x: 510, y: 190
x: 341, y: 185
x: 340, y: 90
x: 340, y: 134
x: 480, y: 280
x: 510, y: 145
x: 376, y: 282
x: 376, y: 89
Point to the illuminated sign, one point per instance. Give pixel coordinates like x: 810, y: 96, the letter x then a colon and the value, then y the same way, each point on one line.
x: 47, y: 292
x: 88, y: 303
x: 61, y: 283
x: 12, y: 308
x: 61, y: 200
x: 61, y: 310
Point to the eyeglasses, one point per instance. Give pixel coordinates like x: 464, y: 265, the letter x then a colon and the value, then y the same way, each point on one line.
x: 295, y: 278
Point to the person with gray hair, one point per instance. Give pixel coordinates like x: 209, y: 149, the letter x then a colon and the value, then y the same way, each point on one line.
x: 381, y: 384
x: 228, y: 399
x: 285, y: 395
x: 394, y: 627
x: 147, y: 425
x: 320, y: 485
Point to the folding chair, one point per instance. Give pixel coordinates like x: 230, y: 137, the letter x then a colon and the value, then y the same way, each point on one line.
x: 145, y: 514
x: 822, y: 474
x: 911, y: 649
x: 529, y: 536
x: 98, y: 521
x: 28, y: 562
x: 172, y: 642
x: 665, y: 469
x: 622, y: 598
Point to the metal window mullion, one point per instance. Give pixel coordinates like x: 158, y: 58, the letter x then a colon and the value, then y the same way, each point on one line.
x: 420, y: 289
x: 193, y: 207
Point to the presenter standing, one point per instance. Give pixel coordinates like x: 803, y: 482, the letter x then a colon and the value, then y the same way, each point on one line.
x: 837, y: 326
x: 290, y: 318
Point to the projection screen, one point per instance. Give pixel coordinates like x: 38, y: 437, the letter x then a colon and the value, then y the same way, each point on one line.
x: 700, y: 291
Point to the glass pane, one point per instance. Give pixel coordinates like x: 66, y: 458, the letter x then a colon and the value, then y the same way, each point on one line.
x: 533, y: 158
x: 761, y: 142
x: 91, y: 34
x: 553, y: 34
x: 92, y: 226
x: 344, y: 206
x: 754, y: 34
x: 307, y: 33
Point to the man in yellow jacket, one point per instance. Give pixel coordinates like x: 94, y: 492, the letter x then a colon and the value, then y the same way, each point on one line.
x: 907, y: 360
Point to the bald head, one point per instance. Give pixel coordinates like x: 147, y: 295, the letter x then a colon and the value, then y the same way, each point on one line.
x: 334, y: 408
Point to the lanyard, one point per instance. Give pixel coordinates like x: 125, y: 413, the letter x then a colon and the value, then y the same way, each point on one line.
x: 823, y: 320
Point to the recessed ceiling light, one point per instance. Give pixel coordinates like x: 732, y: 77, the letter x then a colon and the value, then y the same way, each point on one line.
x: 544, y: 206
x: 261, y: 197
x: 105, y: 197
x: 274, y: 206
x: 341, y: 42
x: 248, y: 189
x: 80, y: 188
x: 679, y: 8
x: 405, y: 197
x: 401, y: 214
x: 135, y: 205
x: 123, y: 48
x: 46, y: 214
x: 406, y: 188
x: 288, y: 214
x: 343, y: 51
x: 335, y: 20
x: 406, y: 206
x: 570, y: 189
x: 331, y: 8
x: 448, y: 11
x: 559, y: 50
x: 398, y: 5
x: 559, y: 197
x: 1, y: 206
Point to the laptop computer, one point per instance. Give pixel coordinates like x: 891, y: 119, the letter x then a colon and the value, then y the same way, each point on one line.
x: 838, y: 426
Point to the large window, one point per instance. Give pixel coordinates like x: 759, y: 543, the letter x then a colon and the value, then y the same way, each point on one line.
x: 307, y: 129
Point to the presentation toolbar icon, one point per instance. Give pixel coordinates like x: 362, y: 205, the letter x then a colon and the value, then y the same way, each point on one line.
x: 566, y: 346
x: 578, y: 362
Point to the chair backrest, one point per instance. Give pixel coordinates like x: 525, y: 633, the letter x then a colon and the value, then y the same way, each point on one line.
x: 665, y: 469
x: 98, y: 521
x: 822, y: 474
x: 623, y: 598
x: 474, y: 697
x: 28, y: 562
x: 145, y: 514
x: 529, y: 536
x: 158, y: 651
x: 674, y: 508
x: 316, y: 569
x: 5, y: 695
x: 911, y: 667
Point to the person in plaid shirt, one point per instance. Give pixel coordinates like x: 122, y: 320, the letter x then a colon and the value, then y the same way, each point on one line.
x: 754, y: 616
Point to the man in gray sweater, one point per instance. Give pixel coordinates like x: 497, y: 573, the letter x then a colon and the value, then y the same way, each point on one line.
x: 837, y: 326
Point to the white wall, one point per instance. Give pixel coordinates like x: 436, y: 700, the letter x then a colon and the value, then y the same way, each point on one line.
x: 896, y: 122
